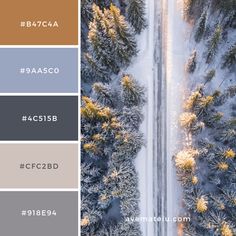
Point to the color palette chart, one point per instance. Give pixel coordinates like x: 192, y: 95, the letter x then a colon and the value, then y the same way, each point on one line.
x: 39, y: 118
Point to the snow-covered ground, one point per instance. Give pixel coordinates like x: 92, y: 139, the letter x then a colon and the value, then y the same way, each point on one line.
x: 142, y: 70
x: 177, y: 53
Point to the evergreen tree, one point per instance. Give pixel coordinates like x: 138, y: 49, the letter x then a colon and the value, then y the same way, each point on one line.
x: 111, y: 42
x: 136, y: 14
x: 192, y: 62
x: 90, y: 186
x: 193, y: 99
x: 201, y: 27
x: 129, y: 143
x: 86, y: 11
x: 227, y: 136
x: 189, y: 122
x: 100, y: 38
x: 213, y: 43
x: 93, y: 70
x: 125, y: 43
x: 223, y: 97
x: 185, y: 159
x: 125, y: 228
x: 132, y: 117
x: 103, y: 3
x: 230, y: 19
x: 229, y: 195
x: 209, y: 76
x: 225, y: 6
x: 190, y: 230
x: 203, y: 106
x: 214, y: 119
x: 217, y: 223
x: 229, y: 59
x: 132, y: 92
x: 104, y: 94
x: 197, y: 201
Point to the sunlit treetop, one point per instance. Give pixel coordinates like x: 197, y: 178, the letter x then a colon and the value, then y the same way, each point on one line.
x: 226, y: 230
x: 201, y: 204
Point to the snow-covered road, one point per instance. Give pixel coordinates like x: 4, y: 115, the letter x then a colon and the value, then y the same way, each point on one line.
x: 160, y: 68
x: 150, y: 163
x: 142, y: 70
x: 177, y: 39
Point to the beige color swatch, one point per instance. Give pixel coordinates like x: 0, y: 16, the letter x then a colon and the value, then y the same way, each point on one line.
x: 38, y: 166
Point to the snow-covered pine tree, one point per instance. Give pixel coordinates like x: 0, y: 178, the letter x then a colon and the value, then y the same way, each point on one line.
x: 201, y: 26
x: 111, y: 42
x: 86, y: 10
x: 93, y: 70
x: 217, y: 223
x: 229, y: 195
x: 225, y: 6
x: 124, y: 40
x: 132, y: 92
x: 100, y: 51
x: 227, y: 136
x: 214, y: 43
x: 189, y: 122
x: 103, y: 3
x: 209, y: 76
x: 128, y: 143
x: 229, y: 58
x: 89, y: 110
x: 192, y: 62
x: 190, y: 229
x: 91, y: 215
x: 132, y: 117
x: 122, y: 228
x: 103, y: 93
x: 196, y: 201
x: 193, y: 99
x: 135, y: 11
x: 185, y: 159
x: 214, y: 119
x: 230, y: 19
x: 230, y: 92
x: 203, y: 106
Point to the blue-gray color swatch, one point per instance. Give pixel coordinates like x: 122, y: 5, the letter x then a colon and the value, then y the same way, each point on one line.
x: 38, y: 70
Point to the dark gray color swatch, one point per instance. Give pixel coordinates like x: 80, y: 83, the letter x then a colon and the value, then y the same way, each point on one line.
x: 15, y: 79
x: 16, y: 108
x: 13, y: 205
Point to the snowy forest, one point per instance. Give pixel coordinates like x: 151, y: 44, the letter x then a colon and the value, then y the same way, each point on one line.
x: 111, y: 114
x: 206, y: 163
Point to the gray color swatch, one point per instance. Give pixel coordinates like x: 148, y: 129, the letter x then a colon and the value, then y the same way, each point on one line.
x: 29, y: 70
x: 13, y: 222
x: 21, y: 118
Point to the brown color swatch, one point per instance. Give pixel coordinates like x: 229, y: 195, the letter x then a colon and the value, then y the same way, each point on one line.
x: 39, y: 165
x: 40, y: 13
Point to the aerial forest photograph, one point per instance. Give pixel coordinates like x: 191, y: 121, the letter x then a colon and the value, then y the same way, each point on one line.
x: 158, y: 118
